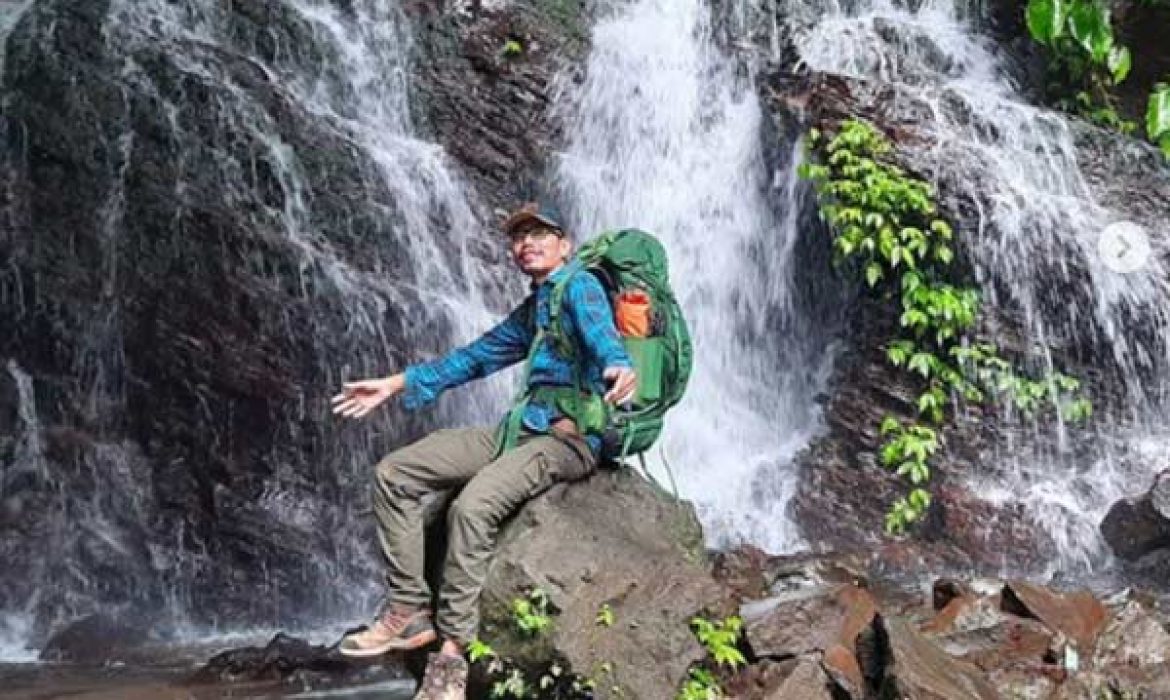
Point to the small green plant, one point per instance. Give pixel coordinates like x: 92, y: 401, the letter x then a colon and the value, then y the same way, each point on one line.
x: 1158, y: 117
x: 548, y: 680
x: 700, y: 685
x: 512, y: 685
x: 530, y: 613
x: 479, y: 649
x: 720, y: 639
x: 1085, y: 60
x: 605, y: 617
x: 512, y: 48
x: 886, y: 226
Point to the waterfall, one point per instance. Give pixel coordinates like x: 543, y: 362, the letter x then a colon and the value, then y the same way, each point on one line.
x: 1034, y: 250
x: 227, y: 98
x: 664, y: 135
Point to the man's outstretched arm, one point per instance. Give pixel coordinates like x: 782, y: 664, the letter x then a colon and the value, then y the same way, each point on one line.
x: 504, y: 345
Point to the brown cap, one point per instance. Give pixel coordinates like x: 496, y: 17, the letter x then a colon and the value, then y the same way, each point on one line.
x: 533, y: 211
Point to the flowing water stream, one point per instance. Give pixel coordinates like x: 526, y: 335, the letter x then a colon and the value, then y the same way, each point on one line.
x: 665, y: 135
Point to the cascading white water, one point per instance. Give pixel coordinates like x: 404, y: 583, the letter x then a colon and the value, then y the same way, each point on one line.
x: 15, y: 624
x: 350, y: 77
x: 665, y: 137
x: 1035, y: 249
x: 355, y: 85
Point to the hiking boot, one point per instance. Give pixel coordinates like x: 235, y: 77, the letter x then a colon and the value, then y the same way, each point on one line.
x: 397, y: 628
x: 445, y: 679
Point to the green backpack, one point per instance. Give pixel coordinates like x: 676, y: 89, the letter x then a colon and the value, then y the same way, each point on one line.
x: 624, y: 260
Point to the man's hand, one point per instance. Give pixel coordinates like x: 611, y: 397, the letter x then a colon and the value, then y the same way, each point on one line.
x: 623, y: 381
x: 359, y: 398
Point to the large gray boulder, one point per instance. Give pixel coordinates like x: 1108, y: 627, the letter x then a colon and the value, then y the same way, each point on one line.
x: 612, y: 540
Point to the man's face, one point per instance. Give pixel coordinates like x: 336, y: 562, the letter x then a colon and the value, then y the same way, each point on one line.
x: 538, y: 249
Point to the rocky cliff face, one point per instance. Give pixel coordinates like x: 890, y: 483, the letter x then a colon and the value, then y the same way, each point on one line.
x: 843, y: 492
x: 196, y: 254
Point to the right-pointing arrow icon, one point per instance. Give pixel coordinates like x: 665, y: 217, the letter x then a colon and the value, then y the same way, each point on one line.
x: 1124, y: 247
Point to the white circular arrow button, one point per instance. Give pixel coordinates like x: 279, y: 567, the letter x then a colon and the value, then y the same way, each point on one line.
x: 1124, y: 247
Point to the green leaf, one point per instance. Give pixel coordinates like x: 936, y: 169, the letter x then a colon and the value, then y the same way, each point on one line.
x: 478, y: 649
x: 944, y: 254
x: 890, y: 454
x: 1046, y: 19
x: 942, y: 228
x: 1120, y: 61
x: 873, y: 273
x: 605, y: 616
x: 889, y: 425
x: 1158, y: 114
x: 919, y: 499
x: 921, y: 363
x: 1088, y: 22
x: 512, y: 47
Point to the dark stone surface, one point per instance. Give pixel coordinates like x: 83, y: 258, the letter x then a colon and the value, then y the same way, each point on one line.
x: 297, y: 663
x: 493, y: 112
x: 183, y: 330
x: 615, y: 540
x: 95, y: 640
x: 1137, y: 526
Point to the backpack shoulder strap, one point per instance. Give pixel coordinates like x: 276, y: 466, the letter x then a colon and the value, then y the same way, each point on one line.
x: 556, y: 304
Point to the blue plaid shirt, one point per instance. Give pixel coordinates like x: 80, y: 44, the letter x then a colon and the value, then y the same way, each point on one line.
x: 586, y: 317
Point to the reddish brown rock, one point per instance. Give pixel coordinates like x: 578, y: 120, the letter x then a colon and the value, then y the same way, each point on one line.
x: 810, y: 621
x: 920, y: 670
x: 742, y: 570
x: 1012, y: 643
x: 1079, y: 616
x: 807, y: 682
x: 945, y: 590
x: 1133, y: 639
x: 841, y: 664
x: 966, y: 612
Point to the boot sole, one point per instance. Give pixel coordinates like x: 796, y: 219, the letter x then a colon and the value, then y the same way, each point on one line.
x: 409, y: 644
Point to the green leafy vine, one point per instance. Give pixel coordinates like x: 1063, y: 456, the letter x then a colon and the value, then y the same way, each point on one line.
x: 886, y: 226
x: 1086, y: 63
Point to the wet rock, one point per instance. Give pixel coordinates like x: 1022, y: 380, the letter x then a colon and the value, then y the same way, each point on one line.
x: 807, y: 681
x: 801, y: 623
x: 1133, y: 639
x: 612, y: 540
x: 944, y: 590
x: 1024, y: 685
x: 1136, y: 526
x: 98, y: 639
x: 743, y: 571
x: 492, y: 111
x: 1010, y: 643
x: 965, y: 613
x: 920, y: 670
x: 1078, y: 616
x: 290, y: 658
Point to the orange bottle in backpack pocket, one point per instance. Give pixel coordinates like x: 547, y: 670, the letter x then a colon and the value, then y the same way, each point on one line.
x: 631, y: 313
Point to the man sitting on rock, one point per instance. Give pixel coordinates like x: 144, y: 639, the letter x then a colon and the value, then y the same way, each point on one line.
x: 551, y: 446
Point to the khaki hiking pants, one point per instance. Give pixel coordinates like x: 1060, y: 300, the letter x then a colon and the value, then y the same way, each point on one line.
x: 492, y: 489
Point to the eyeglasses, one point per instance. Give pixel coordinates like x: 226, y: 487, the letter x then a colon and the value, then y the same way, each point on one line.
x: 538, y: 234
